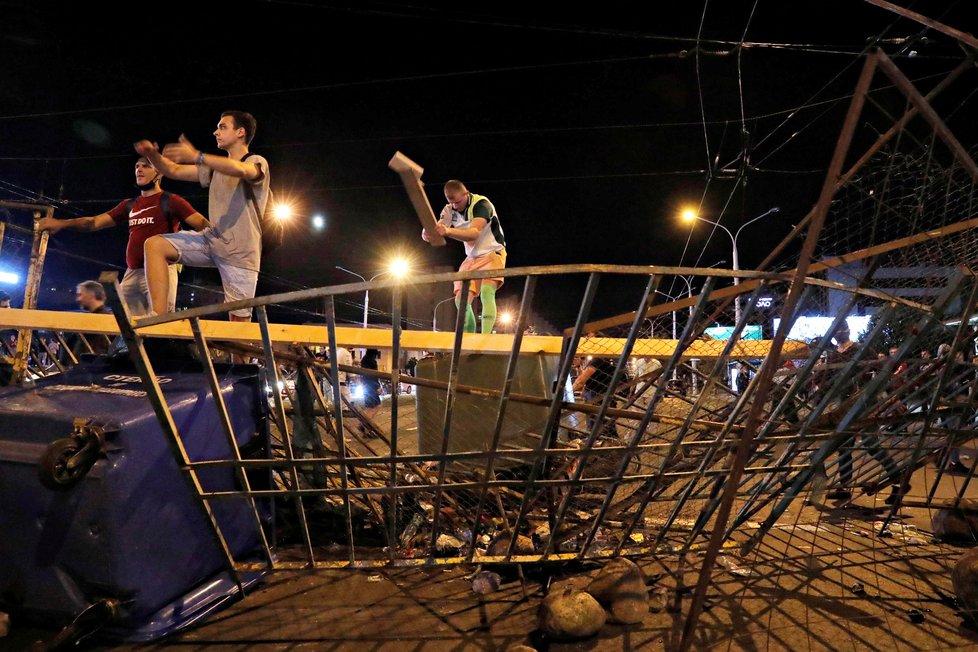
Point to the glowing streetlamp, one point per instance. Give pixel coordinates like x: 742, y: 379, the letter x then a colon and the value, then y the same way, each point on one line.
x: 283, y: 211
x: 397, y: 267
x: 689, y: 215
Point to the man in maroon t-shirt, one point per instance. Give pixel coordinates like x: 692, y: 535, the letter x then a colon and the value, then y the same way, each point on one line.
x: 145, y: 217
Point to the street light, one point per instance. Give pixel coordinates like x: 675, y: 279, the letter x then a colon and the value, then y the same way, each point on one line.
x: 689, y: 293
x: 283, y: 211
x: 689, y: 215
x: 398, y: 268
x: 434, y: 315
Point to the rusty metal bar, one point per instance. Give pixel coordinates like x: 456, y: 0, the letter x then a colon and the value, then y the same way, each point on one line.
x: 710, y: 453
x: 271, y: 369
x: 228, y: 429
x: 958, y: 35
x: 137, y: 353
x: 525, y: 306
x: 330, y: 314
x: 699, y: 309
x: 771, y: 363
x: 456, y: 361
x: 819, y: 458
x: 599, y: 419
x: 928, y: 112
x: 395, y: 377
x: 539, y: 464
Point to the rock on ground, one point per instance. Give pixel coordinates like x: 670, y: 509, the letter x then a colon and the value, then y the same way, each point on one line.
x: 956, y: 525
x: 964, y: 578
x: 620, y: 586
x: 571, y: 615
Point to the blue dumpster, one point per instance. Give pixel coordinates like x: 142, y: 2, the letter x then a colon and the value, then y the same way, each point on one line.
x: 125, y: 529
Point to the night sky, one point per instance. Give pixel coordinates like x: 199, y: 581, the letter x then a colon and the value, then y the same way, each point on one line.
x: 588, y: 128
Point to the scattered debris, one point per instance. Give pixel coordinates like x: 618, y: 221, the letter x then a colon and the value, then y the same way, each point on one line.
x: 659, y: 599
x: 857, y: 588
x: 411, y: 530
x: 446, y: 543
x: 500, y: 544
x: 733, y: 568
x: 915, y: 616
x: 813, y: 565
x: 375, y: 578
x: 486, y: 582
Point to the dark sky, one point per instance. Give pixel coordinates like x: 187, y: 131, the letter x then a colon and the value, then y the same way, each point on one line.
x: 588, y: 128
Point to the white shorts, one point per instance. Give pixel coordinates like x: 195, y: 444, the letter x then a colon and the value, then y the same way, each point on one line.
x: 136, y: 294
x: 194, y: 250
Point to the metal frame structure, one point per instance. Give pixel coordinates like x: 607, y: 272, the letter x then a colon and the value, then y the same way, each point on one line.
x: 653, y: 472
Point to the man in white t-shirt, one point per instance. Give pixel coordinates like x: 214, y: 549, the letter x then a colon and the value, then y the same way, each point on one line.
x: 233, y: 242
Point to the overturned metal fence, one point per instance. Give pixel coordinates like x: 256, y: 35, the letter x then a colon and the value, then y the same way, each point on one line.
x: 685, y: 421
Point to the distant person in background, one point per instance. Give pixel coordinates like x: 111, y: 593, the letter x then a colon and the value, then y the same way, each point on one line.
x: 370, y: 385
x: 90, y: 296
x: 593, y: 383
x: 152, y: 212
x: 8, y: 341
x: 471, y: 219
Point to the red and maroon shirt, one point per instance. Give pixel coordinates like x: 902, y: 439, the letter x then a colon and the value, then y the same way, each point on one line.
x: 146, y: 219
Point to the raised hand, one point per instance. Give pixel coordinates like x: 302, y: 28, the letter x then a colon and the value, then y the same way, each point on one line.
x: 182, y: 151
x: 145, y: 147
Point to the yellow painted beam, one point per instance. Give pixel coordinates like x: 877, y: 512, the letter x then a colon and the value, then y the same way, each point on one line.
x: 381, y: 338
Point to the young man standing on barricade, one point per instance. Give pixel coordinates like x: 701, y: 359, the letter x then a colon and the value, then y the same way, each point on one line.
x: 237, y: 198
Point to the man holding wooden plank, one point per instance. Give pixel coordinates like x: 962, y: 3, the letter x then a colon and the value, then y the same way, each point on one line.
x: 472, y: 220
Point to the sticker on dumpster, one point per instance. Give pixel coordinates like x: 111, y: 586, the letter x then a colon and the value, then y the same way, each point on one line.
x: 96, y: 390
x: 119, y: 380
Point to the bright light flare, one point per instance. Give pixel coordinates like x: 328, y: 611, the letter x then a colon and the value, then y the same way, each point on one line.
x: 506, y: 317
x: 9, y: 277
x: 689, y: 215
x: 282, y: 211
x: 399, y: 267
x: 318, y: 222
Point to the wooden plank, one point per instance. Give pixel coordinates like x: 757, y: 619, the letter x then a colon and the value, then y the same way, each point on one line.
x: 410, y: 173
x: 382, y: 339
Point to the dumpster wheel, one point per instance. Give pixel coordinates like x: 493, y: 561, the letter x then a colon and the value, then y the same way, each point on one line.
x: 65, y: 462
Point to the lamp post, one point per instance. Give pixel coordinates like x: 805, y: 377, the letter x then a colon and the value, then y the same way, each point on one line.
x: 434, y: 314
x: 397, y: 267
x: 690, y: 216
x: 671, y: 298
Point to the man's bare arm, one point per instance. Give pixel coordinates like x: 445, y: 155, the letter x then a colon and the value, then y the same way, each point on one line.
x: 197, y: 222
x: 185, y: 152
x: 165, y: 166
x: 468, y: 234
x: 92, y: 223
